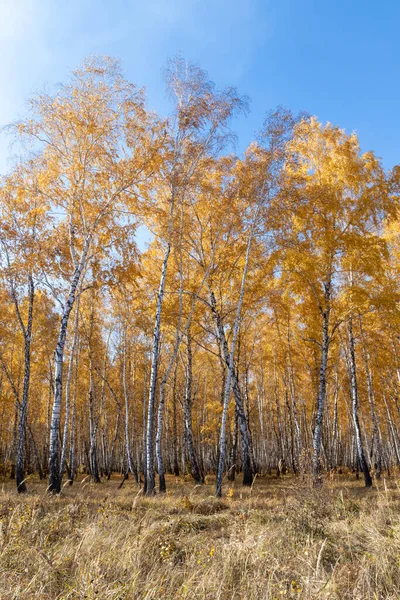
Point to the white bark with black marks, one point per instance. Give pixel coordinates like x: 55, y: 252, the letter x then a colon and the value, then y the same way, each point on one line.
x: 68, y: 394
x: 150, y: 482
x: 355, y: 406
x: 321, y: 397
x: 54, y: 449
x: 23, y: 409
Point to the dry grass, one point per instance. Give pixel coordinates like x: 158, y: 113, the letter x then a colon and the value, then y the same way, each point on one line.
x: 279, y: 540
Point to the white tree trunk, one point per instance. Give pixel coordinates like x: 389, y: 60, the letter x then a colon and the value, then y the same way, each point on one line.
x: 229, y: 377
x: 68, y: 394
x: 150, y: 484
x: 54, y: 468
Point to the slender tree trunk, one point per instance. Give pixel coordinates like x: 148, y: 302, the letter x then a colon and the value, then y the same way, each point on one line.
x: 187, y: 414
x: 113, y: 443
x: 321, y: 397
x: 175, y: 427
x: 36, y: 453
x: 14, y: 442
x: 93, y: 464
x: 150, y: 474
x: 376, y: 447
x: 173, y: 358
x: 21, y: 487
x: 13, y: 448
x: 72, y: 453
x: 144, y: 441
x: 128, y: 450
x: 354, y: 405
x: 279, y: 433
x: 68, y: 394
x: 335, y: 437
x: 54, y: 466
x: 292, y: 386
x: 233, y: 456
x: 231, y: 379
x: 160, y: 414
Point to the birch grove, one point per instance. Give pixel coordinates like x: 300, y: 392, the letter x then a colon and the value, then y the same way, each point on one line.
x: 257, y: 330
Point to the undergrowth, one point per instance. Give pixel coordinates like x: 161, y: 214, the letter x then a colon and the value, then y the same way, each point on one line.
x: 280, y: 539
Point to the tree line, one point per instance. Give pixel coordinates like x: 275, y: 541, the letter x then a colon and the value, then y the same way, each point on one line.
x: 259, y: 329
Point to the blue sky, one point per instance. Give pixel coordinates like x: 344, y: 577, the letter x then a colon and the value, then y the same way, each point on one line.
x: 336, y: 59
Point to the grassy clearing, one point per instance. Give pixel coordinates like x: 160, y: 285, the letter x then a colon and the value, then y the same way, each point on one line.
x: 282, y: 539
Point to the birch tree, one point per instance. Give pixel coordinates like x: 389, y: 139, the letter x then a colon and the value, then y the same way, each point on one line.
x: 22, y: 245
x: 97, y: 151
x: 197, y: 129
x: 330, y: 193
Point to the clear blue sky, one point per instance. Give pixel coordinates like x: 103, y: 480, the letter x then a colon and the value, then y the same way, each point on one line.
x: 336, y: 59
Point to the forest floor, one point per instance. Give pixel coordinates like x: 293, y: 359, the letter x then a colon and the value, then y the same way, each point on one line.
x: 280, y: 539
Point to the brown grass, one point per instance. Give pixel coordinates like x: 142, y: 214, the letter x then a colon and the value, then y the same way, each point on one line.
x: 282, y: 539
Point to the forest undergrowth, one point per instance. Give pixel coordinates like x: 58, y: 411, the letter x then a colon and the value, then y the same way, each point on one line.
x: 279, y: 539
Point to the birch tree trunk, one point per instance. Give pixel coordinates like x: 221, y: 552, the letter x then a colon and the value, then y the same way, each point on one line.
x: 144, y: 436
x: 68, y: 394
x: 93, y: 464
x: 173, y: 358
x: 376, y: 446
x: 187, y: 415
x: 354, y: 406
x: 27, y: 332
x: 335, y: 436
x: 292, y: 386
x: 233, y: 456
x: 231, y: 379
x: 246, y: 445
x: 113, y: 443
x: 72, y: 453
x: 321, y: 397
x: 54, y: 467
x: 150, y: 481
x: 160, y: 414
x: 128, y: 450
x: 175, y: 427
